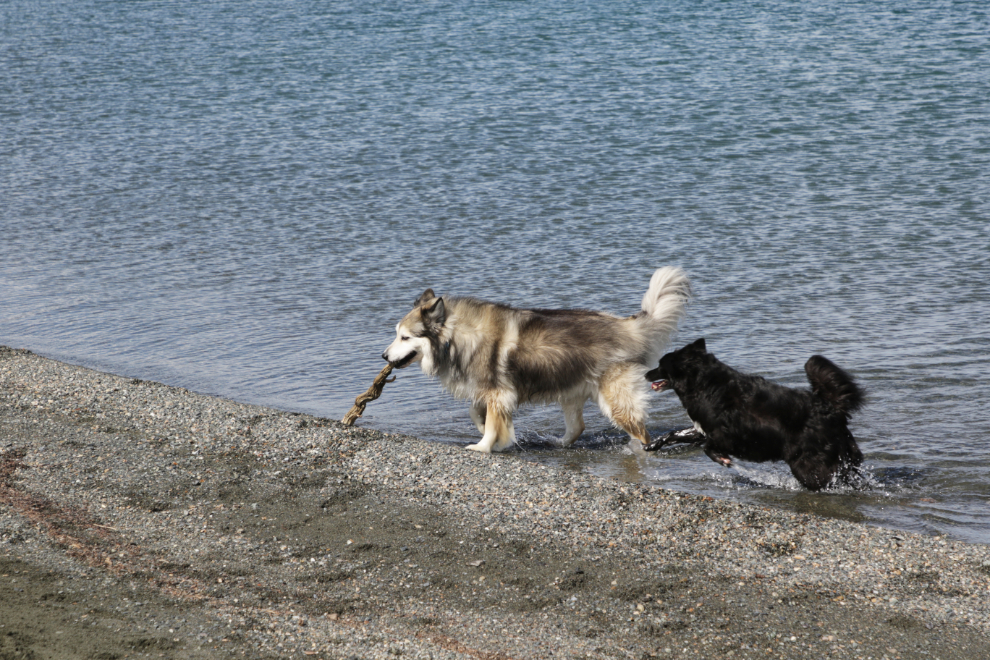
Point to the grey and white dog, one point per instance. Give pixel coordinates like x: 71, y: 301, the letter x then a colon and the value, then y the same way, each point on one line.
x: 500, y: 357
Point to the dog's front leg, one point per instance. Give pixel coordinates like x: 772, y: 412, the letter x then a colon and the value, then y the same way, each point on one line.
x: 499, y: 432
x: 478, y: 412
x: 716, y: 456
x: 573, y: 422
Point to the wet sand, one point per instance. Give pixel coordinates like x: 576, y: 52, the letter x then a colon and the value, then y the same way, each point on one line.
x: 140, y: 520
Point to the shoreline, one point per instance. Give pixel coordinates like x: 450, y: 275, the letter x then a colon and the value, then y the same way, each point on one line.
x: 138, y: 519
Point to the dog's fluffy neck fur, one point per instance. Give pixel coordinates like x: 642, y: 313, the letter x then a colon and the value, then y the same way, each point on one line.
x: 453, y: 350
x: 442, y: 359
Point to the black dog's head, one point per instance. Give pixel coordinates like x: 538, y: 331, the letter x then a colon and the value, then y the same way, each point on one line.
x: 676, y: 366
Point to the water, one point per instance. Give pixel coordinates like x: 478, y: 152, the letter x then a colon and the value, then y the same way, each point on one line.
x: 243, y: 198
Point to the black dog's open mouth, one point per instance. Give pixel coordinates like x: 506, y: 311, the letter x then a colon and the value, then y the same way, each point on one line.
x: 404, y: 362
x: 658, y: 379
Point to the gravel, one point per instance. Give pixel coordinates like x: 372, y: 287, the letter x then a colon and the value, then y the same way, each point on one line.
x: 143, y: 520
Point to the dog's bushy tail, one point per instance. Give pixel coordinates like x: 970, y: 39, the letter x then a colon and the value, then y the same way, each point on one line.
x: 663, y: 307
x: 667, y: 296
x: 834, y: 385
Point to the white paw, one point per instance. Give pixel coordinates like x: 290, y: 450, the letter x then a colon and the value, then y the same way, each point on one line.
x: 479, y: 447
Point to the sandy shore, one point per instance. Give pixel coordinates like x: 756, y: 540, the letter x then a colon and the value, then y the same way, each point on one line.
x: 139, y: 520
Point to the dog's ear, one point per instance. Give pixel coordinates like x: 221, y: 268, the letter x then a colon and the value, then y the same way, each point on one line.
x: 435, y: 314
x: 699, y: 345
x: 424, y: 297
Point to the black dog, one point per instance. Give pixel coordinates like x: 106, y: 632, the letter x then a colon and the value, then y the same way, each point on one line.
x: 753, y: 419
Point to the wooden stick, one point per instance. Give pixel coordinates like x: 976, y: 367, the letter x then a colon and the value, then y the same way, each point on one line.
x: 373, y: 393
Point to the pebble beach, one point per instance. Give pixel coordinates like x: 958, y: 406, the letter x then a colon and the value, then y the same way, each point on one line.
x: 141, y: 520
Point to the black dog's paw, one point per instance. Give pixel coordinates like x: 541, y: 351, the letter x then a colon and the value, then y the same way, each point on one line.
x: 718, y: 457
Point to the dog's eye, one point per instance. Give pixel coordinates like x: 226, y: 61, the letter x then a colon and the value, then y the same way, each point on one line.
x: 404, y: 338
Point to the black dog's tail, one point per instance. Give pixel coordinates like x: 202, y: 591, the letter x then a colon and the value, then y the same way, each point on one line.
x: 834, y: 385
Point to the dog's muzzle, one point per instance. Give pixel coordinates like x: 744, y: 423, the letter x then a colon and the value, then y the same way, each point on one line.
x: 399, y: 364
x: 658, y: 377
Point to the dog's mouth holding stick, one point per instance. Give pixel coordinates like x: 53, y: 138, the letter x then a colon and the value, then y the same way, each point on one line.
x: 402, y: 363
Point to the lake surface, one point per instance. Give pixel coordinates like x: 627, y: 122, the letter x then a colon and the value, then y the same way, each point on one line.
x: 243, y: 199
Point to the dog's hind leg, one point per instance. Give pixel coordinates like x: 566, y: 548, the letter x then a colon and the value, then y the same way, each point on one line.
x: 622, y: 397
x: 573, y: 421
x: 824, y: 463
x: 814, y: 471
x: 499, y: 432
x: 636, y: 430
x: 507, y: 438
